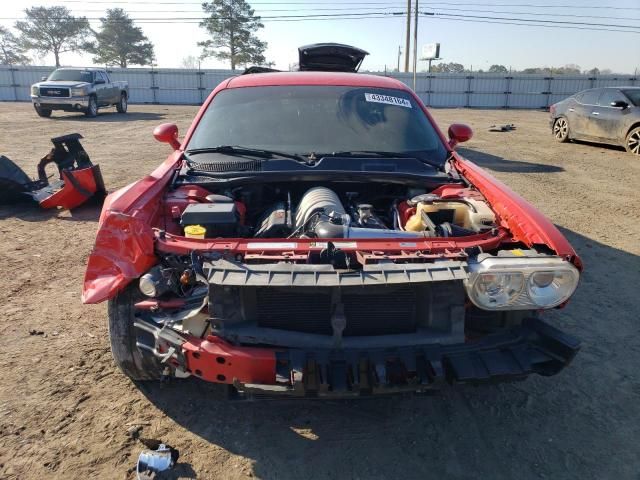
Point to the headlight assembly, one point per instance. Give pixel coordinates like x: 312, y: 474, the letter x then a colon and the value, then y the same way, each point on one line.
x: 507, y: 283
x: 78, y: 92
x: 34, y: 90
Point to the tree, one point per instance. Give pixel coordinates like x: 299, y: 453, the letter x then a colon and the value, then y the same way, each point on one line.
x: 190, y: 61
x: 570, y: 69
x: 52, y: 30
x: 450, y: 67
x: 498, y: 69
x: 533, y: 70
x: 120, y: 42
x: 11, y: 51
x: 232, y: 25
x: 593, y: 71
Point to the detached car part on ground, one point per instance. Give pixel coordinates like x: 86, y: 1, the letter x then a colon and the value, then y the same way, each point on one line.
x: 79, y: 90
x: 315, y: 234
x: 608, y: 115
x: 79, y: 180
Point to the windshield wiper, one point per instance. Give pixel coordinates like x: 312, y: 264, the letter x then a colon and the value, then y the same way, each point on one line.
x: 378, y: 154
x: 238, y: 150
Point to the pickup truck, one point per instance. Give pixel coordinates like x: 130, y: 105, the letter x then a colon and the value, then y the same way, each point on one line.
x: 78, y: 90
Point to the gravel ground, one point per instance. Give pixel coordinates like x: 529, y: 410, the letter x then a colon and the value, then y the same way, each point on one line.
x: 65, y: 410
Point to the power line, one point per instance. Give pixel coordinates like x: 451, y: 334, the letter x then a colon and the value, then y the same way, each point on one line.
x: 528, y: 24
x: 389, y: 14
x: 501, y: 12
x: 278, y: 18
x: 368, y: 10
x: 390, y: 4
x: 534, y: 5
x: 563, y: 22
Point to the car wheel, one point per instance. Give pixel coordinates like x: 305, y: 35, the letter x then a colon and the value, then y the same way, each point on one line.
x: 121, y: 106
x: 123, y: 336
x: 632, y: 144
x: 561, y: 129
x: 92, y: 108
x: 43, y: 112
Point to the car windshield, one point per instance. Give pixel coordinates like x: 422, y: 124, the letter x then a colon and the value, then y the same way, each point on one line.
x: 71, y: 75
x: 633, y: 95
x: 319, y: 119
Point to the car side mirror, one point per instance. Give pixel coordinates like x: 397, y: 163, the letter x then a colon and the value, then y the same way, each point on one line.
x: 43, y: 78
x: 620, y: 104
x: 167, y: 133
x: 98, y: 81
x: 459, y: 133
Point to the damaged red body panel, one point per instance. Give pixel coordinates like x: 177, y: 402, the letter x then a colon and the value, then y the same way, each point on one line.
x: 79, y: 180
x: 215, y: 360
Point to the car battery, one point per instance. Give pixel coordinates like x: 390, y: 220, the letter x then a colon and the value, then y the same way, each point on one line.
x: 219, y: 219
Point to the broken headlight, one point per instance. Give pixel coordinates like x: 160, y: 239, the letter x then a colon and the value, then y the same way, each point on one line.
x: 497, y: 283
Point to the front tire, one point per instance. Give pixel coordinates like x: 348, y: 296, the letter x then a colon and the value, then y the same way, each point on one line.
x: 121, y: 106
x: 561, y: 130
x: 123, y: 337
x: 632, y: 142
x: 92, y: 108
x: 42, y: 112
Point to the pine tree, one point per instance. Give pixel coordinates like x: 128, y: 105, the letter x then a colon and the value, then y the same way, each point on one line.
x: 120, y: 42
x: 232, y: 25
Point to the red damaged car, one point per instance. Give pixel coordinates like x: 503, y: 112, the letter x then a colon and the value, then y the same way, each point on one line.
x: 315, y: 234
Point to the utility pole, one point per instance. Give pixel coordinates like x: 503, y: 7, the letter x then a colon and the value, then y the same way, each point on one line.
x: 415, y: 45
x: 407, y: 45
x: 399, y: 55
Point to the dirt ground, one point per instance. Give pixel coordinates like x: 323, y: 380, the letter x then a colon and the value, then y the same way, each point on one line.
x: 65, y: 410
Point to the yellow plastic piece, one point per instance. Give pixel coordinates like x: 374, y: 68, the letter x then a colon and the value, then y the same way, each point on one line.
x: 194, y: 231
x: 463, y: 215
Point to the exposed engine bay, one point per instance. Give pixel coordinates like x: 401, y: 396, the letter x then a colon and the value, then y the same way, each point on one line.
x: 331, y: 211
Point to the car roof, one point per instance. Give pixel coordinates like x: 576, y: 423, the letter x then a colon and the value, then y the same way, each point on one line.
x: 91, y: 69
x: 630, y: 87
x: 272, y: 79
x: 618, y: 87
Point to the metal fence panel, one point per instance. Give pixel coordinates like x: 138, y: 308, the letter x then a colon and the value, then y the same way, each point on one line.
x: 475, y: 90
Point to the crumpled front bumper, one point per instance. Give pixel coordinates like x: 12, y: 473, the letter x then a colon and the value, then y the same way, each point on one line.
x: 533, y: 347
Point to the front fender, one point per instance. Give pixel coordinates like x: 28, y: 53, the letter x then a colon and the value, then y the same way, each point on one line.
x: 523, y: 220
x: 123, y: 252
x: 124, y: 247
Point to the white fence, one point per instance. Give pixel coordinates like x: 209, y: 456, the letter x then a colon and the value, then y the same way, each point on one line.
x: 471, y: 90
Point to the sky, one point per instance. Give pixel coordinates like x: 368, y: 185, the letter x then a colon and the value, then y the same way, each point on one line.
x: 469, y: 40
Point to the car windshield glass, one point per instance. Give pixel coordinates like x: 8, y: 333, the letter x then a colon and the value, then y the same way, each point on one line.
x: 633, y: 95
x: 71, y: 75
x: 319, y: 119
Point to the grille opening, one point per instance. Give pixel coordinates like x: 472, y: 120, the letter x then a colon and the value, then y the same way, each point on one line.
x: 368, y: 312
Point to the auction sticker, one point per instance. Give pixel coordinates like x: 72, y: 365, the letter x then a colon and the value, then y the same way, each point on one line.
x: 388, y: 99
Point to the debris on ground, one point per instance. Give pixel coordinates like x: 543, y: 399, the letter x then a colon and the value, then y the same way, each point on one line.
x: 33, y: 331
x: 502, y: 128
x: 152, y: 462
x: 79, y: 179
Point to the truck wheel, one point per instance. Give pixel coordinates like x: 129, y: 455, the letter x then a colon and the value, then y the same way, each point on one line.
x: 43, y: 112
x: 123, y: 336
x: 632, y: 143
x: 121, y: 106
x: 92, y: 108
